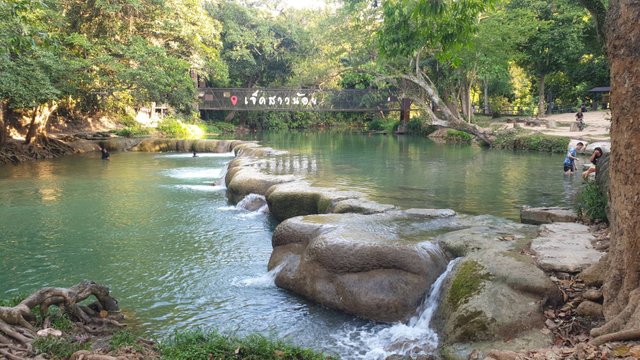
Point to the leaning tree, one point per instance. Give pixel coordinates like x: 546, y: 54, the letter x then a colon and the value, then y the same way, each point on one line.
x: 622, y: 281
x: 422, y: 29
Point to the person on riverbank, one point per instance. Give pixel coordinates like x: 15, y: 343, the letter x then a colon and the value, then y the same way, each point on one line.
x: 580, y: 119
x: 570, y: 159
x: 597, y: 154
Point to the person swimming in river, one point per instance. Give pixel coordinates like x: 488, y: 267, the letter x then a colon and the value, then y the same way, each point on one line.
x: 195, y: 154
x: 105, y: 153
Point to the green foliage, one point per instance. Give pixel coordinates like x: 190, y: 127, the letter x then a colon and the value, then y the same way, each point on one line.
x: 133, y: 131
x: 123, y: 338
x: 61, y: 322
x: 13, y: 301
x: 259, y: 49
x: 592, y: 202
x: 199, y: 345
x: 419, y: 126
x: 383, y: 124
x: 177, y: 128
x: 220, y: 127
x: 458, y: 136
x: 496, y: 104
x: 58, y: 347
x: 515, y: 139
x: 410, y: 26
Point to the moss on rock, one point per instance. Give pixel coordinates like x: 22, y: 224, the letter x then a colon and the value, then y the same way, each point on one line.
x: 468, y: 281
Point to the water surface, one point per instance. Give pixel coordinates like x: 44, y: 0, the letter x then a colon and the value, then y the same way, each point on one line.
x: 178, y: 256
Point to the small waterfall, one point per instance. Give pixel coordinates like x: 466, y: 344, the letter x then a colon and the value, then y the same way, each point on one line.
x: 254, y: 203
x: 264, y: 280
x: 411, y: 339
x: 223, y: 174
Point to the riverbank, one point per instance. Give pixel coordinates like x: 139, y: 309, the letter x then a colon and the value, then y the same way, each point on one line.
x: 550, y: 134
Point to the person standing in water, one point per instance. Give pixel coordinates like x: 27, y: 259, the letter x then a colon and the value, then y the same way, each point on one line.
x: 570, y: 159
x: 105, y: 153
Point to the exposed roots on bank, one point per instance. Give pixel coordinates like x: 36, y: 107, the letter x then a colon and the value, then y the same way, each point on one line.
x: 624, y: 326
x: 19, y: 324
x: 42, y: 148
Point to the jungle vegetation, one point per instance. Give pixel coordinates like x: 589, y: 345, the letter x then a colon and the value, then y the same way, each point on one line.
x: 75, y: 60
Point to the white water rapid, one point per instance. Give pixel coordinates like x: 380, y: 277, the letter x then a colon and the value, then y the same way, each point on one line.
x: 411, y: 339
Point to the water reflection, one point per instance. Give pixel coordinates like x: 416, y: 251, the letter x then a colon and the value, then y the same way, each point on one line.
x: 414, y: 172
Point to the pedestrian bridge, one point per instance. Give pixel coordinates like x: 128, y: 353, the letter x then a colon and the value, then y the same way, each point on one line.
x: 350, y: 100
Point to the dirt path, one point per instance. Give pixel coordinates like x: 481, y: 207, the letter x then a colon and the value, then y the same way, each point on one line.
x: 598, y: 123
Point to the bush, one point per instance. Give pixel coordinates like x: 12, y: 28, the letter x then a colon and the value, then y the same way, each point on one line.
x: 419, y: 126
x: 544, y: 143
x: 176, y: 128
x: 381, y: 124
x: 133, y: 131
x: 200, y: 345
x: 518, y: 139
x: 496, y: 104
x: 458, y: 136
x: 219, y: 128
x: 592, y: 202
x: 376, y: 125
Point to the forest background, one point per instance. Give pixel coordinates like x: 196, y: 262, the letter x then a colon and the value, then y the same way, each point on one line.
x: 77, y: 60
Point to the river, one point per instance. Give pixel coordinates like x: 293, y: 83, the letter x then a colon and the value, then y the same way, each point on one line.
x: 178, y: 256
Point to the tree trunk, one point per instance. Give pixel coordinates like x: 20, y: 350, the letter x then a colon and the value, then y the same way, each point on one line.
x: 3, y: 125
x: 450, y: 119
x: 39, y: 120
x: 451, y: 100
x: 541, y: 95
x: 486, y: 96
x: 622, y: 281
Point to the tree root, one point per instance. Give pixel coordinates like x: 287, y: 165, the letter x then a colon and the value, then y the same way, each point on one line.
x: 42, y: 148
x: 623, y: 326
x: 16, y: 328
x: 87, y: 355
x: 9, y: 355
x: 625, y: 335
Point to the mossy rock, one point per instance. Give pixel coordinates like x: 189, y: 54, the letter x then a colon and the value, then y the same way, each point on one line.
x: 468, y: 281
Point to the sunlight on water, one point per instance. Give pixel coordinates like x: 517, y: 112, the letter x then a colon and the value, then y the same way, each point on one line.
x: 194, y: 173
x: 205, y: 188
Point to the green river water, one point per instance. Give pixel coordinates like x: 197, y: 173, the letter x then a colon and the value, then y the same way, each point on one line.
x: 178, y: 256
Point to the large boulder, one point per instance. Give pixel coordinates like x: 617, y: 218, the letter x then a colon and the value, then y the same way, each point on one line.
x: 370, y: 266
x: 604, y: 145
x: 290, y: 199
x: 244, y: 177
x: 496, y: 291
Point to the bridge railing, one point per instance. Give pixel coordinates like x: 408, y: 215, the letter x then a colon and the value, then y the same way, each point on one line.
x: 297, y: 100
